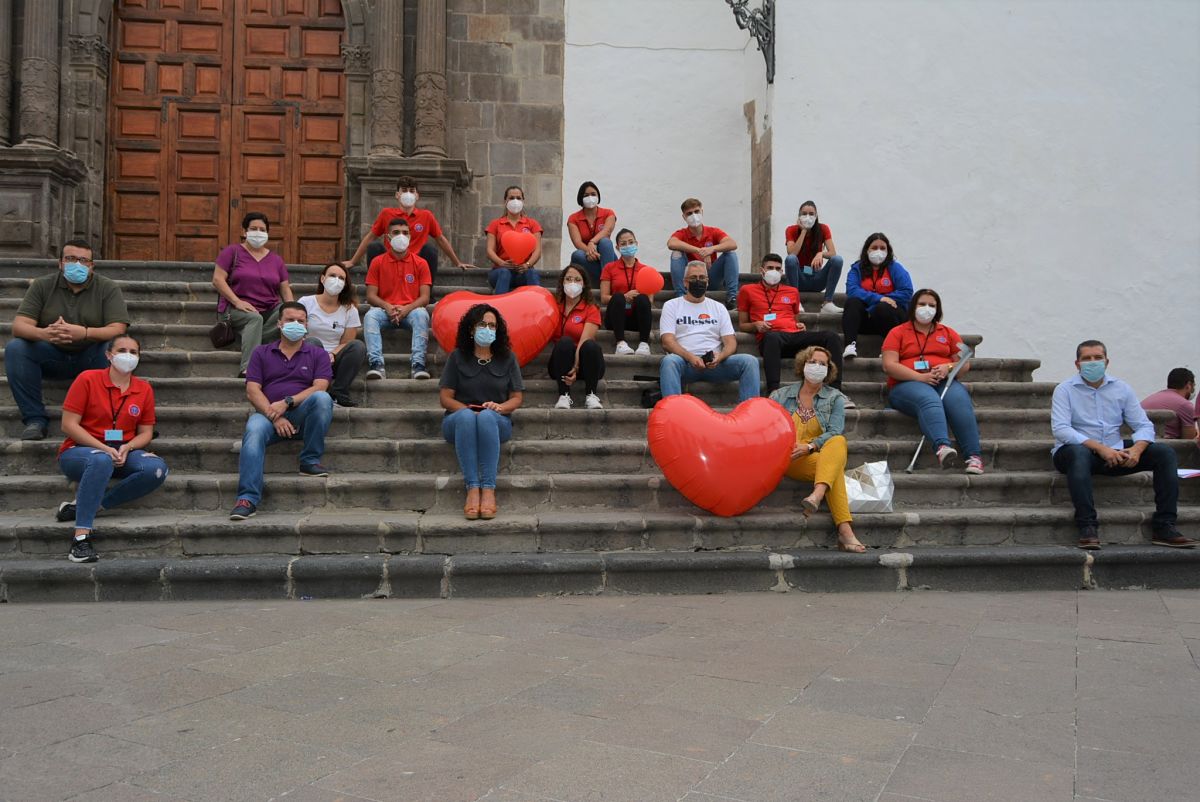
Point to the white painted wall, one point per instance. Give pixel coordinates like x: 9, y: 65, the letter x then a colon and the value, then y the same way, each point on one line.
x: 654, y: 91
x: 1036, y: 162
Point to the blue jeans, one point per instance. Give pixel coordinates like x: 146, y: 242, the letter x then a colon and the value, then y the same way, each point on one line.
x: 504, y: 279
x: 311, y: 419
x: 919, y: 400
x: 723, y: 272
x: 808, y: 280
x: 674, y: 372
x: 1079, y: 462
x: 27, y: 361
x: 376, y: 321
x: 92, y: 468
x: 477, y: 437
x: 607, y: 254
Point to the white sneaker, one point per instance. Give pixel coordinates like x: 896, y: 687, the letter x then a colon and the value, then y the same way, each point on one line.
x: 850, y: 402
x: 564, y: 402
x: 421, y: 374
x: 643, y: 349
x: 623, y: 349
x: 851, y: 351
x: 830, y: 308
x: 376, y: 373
x: 592, y: 401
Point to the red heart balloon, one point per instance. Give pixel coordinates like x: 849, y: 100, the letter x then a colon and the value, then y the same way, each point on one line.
x: 648, y: 281
x: 722, y: 463
x: 517, y: 245
x: 531, y: 314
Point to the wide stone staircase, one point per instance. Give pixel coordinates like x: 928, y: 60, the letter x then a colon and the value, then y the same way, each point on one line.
x: 583, y: 508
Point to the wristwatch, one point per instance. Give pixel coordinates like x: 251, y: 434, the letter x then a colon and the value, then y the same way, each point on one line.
x: 291, y: 402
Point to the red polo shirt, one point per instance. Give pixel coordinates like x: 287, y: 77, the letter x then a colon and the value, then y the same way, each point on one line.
x: 709, y: 236
x: 571, y: 325
x: 498, y: 227
x: 622, y: 278
x: 421, y: 225
x: 586, y: 230
x: 399, y: 281
x: 938, y: 347
x: 98, y: 401
x: 758, y: 300
x: 809, y: 249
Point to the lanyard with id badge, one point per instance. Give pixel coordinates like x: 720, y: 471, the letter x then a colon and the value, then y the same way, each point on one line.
x: 921, y: 365
x: 115, y: 437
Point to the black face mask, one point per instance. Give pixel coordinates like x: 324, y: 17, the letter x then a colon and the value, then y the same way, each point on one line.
x: 697, y: 287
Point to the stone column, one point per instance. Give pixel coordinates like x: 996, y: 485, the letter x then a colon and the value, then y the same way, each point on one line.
x: 430, y: 81
x: 387, y: 80
x: 37, y: 123
x: 5, y: 72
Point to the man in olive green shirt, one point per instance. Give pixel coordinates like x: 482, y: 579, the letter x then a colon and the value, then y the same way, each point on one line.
x: 60, y: 330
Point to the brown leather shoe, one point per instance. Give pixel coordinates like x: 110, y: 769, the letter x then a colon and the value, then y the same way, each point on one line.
x: 1172, y: 538
x: 1089, y: 538
x: 487, y: 504
x: 471, y: 508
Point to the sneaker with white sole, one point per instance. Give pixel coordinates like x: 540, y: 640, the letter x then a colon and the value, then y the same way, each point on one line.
x: 564, y: 402
x: 623, y: 349
x: 82, y: 551
x: 592, y: 401
x: 376, y: 373
x: 830, y: 308
x: 66, y: 512
x: 420, y: 373
x: 851, y: 351
x: 947, y: 457
x: 974, y: 465
x: 643, y: 349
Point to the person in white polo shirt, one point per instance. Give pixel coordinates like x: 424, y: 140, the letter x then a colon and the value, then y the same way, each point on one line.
x: 334, y: 324
x: 699, y: 340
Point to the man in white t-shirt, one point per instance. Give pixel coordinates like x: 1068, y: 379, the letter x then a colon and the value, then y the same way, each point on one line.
x: 700, y: 342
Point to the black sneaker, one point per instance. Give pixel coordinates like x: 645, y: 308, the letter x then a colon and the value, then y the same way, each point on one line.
x: 66, y: 512
x: 82, y: 551
x: 1172, y: 538
x: 242, y: 510
x: 34, y: 431
x: 344, y: 401
x: 314, y: 469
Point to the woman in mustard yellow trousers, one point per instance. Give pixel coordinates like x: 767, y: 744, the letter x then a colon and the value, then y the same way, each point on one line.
x: 819, y: 413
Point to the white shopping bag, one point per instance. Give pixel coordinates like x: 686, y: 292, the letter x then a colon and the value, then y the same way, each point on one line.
x: 869, y: 487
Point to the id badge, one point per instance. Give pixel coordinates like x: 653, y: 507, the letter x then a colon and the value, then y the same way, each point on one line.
x: 114, y: 436
x: 808, y: 270
x: 769, y: 317
x: 921, y: 365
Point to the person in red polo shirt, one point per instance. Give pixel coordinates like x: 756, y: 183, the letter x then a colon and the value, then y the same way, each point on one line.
x: 591, y: 230
x: 620, y: 297
x: 398, y: 289
x: 771, y: 311
x: 108, y: 419
x: 708, y: 244
x: 424, y: 230
x: 576, y: 354
x: 506, y: 274
x: 812, y: 262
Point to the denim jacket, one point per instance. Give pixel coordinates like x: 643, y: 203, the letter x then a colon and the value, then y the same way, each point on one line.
x: 828, y: 403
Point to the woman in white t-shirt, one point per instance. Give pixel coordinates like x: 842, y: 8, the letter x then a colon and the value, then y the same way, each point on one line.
x: 334, y: 324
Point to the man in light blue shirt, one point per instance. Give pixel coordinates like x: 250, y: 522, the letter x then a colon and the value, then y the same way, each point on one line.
x: 1086, y: 416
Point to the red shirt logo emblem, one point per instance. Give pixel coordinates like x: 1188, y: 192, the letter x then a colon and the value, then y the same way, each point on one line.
x: 577, y: 319
x: 410, y: 278
x: 704, y: 317
x: 787, y: 299
x: 419, y: 227
x: 885, y: 282
x: 134, y: 410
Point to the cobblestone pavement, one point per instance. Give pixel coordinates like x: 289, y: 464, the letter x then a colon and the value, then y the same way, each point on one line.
x: 756, y: 697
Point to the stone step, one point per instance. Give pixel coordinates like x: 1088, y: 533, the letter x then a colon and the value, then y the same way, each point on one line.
x: 280, y: 577
x: 519, y: 456
x: 925, y: 489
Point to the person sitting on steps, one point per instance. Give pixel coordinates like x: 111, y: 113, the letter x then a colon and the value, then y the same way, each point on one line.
x: 878, y: 291
x: 426, y: 233
x: 398, y: 290
x: 334, y: 324
x: 709, y: 245
x: 576, y: 354
x: 812, y: 263
x: 1177, y: 398
x: 622, y: 302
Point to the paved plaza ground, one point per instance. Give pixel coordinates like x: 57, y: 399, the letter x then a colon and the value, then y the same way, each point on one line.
x: 756, y: 697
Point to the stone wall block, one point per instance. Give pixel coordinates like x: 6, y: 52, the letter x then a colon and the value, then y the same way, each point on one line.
x: 546, y: 90
x: 527, y: 60
x: 507, y: 157
x: 552, y: 59
x: 511, y: 7
x: 520, y: 121
x: 485, y: 57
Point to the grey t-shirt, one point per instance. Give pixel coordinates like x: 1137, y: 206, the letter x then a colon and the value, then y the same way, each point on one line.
x: 473, y: 383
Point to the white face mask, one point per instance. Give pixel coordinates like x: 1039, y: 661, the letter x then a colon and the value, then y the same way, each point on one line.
x: 590, y: 201
x: 125, y: 363
x: 815, y: 373
x: 877, y: 257
x: 334, y: 286
x: 572, y: 289
x: 256, y: 239
x: 772, y: 277
x: 400, y: 243
x: 924, y: 314
x: 807, y: 220
x: 694, y: 219
x: 408, y: 199
x: 515, y: 206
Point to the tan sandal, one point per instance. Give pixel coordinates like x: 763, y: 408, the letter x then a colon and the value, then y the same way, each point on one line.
x: 853, y: 548
x: 471, y: 507
x: 808, y: 506
x: 487, y: 504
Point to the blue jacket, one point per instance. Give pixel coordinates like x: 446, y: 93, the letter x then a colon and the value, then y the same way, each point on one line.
x: 828, y: 403
x: 902, y: 294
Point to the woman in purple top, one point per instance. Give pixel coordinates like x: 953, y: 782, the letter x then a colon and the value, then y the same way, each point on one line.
x: 252, y: 280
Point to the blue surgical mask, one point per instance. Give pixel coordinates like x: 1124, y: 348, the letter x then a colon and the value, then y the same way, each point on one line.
x: 75, y: 272
x: 294, y: 331
x: 629, y: 251
x: 484, y: 335
x: 1092, y: 371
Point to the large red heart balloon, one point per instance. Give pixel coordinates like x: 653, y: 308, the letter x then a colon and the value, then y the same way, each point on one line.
x: 648, y: 281
x: 722, y: 463
x: 531, y: 314
x: 518, y: 245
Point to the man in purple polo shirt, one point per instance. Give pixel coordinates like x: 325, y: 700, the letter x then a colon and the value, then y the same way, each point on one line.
x: 285, y: 383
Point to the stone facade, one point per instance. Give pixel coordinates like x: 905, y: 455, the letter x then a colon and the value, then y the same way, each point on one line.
x: 760, y: 191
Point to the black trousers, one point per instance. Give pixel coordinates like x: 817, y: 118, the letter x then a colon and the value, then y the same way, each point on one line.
x: 777, y: 344
x: 346, y: 366
x: 615, y: 316
x: 882, y: 319
x: 1079, y: 463
x: 591, y: 364
x: 428, y: 252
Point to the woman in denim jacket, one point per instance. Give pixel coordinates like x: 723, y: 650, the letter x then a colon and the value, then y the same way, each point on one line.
x: 819, y: 414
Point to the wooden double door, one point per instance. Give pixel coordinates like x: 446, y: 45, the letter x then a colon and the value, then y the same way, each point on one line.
x: 219, y: 108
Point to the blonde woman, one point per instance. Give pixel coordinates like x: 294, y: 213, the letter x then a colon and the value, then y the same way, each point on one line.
x: 819, y: 456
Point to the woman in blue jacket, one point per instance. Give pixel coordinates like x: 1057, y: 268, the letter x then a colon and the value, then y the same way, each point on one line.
x: 878, y: 291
